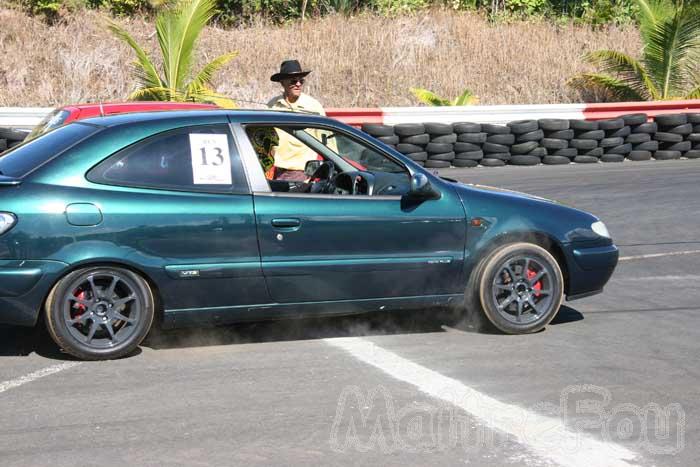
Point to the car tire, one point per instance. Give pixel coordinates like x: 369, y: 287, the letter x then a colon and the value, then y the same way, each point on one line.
x: 438, y: 148
x: 466, y: 147
x: 470, y: 155
x: 523, y: 126
x: 420, y: 140
x: 593, y: 134
x: 524, y: 148
x: 438, y: 128
x: 667, y: 155
x: 553, y: 124
x: 474, y: 138
x: 612, y: 158
x: 586, y: 159
x: 693, y: 138
x: 495, y: 129
x: 391, y: 140
x: 445, y: 139
x: 530, y: 136
x: 623, y: 132
x: 433, y: 164
x: 504, y: 156
x: 445, y: 156
x: 649, y: 127
x: 583, y: 144
x: 505, y: 140
x: 611, y: 124
x: 639, y: 156
x: 556, y: 160
x: 681, y: 129
x: 551, y: 143
x: 108, y: 298
x: 647, y: 146
x: 409, y: 129
x: 561, y: 134
x: 566, y: 152
x: 637, y: 138
x: 495, y: 148
x: 621, y: 149
x: 538, y: 152
x: 669, y: 120
x: 489, y: 162
x: 634, y: 119
x: 465, y: 163
x: 418, y: 156
x: 466, y: 127
x: 516, y: 264
x: 376, y: 129
x: 583, y: 125
x: 611, y: 142
x: 683, y: 146
x: 693, y: 153
x: 406, y: 148
x: 521, y: 159
x: 595, y: 152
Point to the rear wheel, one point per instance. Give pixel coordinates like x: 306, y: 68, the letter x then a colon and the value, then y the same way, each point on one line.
x: 100, y: 313
x: 518, y: 288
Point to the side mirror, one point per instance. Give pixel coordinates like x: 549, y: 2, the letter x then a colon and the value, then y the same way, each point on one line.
x: 311, y: 167
x: 421, y: 188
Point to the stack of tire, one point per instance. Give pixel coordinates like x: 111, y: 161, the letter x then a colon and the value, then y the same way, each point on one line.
x: 587, y: 134
x: 11, y: 137
x: 469, y: 145
x: 384, y: 133
x: 557, y: 136
x: 499, y: 139
x: 440, y: 147
x: 526, y: 136
x: 694, y: 137
x: 673, y: 135
x: 412, y: 141
x: 641, y: 137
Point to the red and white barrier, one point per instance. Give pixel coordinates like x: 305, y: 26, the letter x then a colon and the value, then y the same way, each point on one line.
x: 502, y: 114
x: 499, y: 114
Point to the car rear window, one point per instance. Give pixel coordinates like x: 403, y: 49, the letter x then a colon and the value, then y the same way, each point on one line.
x: 22, y: 159
x: 53, y: 120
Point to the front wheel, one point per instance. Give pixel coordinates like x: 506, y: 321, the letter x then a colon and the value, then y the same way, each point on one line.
x: 99, y: 313
x: 518, y: 288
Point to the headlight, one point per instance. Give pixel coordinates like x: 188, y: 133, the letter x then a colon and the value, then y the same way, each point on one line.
x: 600, y: 229
x: 7, y: 220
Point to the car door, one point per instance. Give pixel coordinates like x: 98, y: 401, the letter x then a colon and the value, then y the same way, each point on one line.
x: 178, y: 202
x: 326, y: 247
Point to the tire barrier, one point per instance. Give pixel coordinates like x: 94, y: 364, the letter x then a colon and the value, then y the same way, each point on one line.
x: 11, y: 137
x: 549, y: 141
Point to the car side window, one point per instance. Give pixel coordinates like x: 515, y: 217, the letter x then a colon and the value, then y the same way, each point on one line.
x: 201, y: 158
x: 284, y: 154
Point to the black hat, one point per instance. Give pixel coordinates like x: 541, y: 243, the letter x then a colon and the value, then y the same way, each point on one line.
x: 289, y: 68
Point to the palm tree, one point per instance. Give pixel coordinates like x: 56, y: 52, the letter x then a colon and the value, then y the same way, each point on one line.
x: 668, y: 69
x: 430, y: 98
x: 178, y: 28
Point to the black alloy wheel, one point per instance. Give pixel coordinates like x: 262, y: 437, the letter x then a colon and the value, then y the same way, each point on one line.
x: 100, y: 313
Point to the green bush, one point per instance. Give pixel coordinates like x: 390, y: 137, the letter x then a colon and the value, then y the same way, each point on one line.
x: 392, y: 7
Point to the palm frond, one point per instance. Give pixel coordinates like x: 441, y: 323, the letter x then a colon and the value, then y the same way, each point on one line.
x: 429, y: 97
x: 178, y: 29
x: 208, y: 96
x: 205, y: 76
x: 628, y: 70
x: 694, y: 93
x: 466, y: 98
x: 156, y: 94
x: 667, y: 51
x: 144, y: 69
x: 611, y: 86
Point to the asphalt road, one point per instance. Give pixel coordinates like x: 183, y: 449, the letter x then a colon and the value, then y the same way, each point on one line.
x: 615, y: 380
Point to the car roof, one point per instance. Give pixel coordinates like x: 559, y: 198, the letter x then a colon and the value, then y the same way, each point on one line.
x: 243, y: 116
x: 118, y: 107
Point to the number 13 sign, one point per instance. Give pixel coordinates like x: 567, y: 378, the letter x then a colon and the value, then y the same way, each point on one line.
x: 211, y: 162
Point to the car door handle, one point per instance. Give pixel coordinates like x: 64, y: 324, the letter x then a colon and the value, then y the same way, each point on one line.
x: 286, y: 223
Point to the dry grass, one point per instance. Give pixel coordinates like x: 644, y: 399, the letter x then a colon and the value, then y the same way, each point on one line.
x: 364, y: 61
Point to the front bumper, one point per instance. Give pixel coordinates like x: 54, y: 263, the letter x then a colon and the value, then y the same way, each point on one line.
x: 589, y: 269
x: 23, y: 289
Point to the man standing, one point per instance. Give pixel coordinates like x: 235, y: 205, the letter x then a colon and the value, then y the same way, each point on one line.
x: 291, y: 155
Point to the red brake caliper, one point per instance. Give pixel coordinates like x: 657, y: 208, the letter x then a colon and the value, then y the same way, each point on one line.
x: 538, y: 285
x: 79, y: 307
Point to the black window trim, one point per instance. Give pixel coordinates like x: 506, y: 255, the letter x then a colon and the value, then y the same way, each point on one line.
x: 235, y: 161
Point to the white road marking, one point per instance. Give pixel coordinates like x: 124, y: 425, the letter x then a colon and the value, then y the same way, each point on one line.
x: 546, y: 437
x: 13, y: 383
x: 659, y: 255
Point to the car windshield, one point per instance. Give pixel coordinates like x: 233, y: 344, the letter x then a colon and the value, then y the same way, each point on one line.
x: 53, y: 120
x: 22, y: 159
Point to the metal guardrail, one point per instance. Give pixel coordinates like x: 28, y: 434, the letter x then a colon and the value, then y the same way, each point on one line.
x: 22, y: 117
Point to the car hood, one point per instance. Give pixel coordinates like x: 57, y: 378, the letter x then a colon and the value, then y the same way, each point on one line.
x: 494, y: 189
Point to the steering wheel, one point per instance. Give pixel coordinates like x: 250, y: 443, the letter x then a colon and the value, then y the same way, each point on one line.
x: 321, y: 177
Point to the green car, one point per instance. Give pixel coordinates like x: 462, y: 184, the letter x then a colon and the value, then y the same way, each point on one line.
x: 108, y: 224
